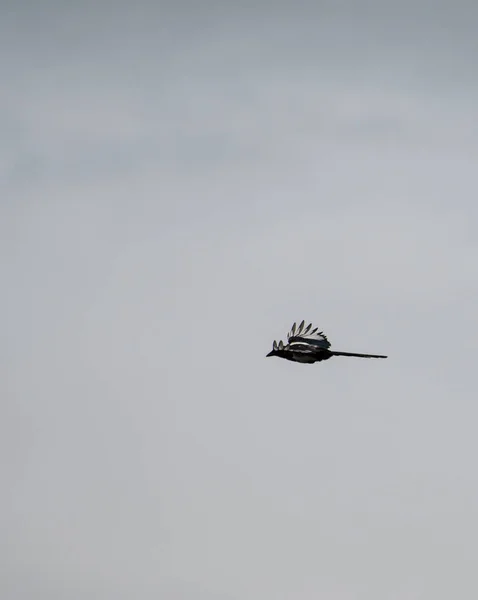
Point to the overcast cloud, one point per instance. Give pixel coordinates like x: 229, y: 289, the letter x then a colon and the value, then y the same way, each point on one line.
x: 180, y: 181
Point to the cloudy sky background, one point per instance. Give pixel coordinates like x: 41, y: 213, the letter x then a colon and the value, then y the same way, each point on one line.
x: 179, y: 183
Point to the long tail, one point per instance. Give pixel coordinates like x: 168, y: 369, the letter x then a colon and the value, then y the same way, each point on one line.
x: 335, y: 353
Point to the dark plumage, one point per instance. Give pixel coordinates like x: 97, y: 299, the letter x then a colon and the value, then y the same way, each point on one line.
x: 307, y: 345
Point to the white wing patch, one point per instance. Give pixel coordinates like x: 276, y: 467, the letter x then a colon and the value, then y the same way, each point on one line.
x: 307, y: 335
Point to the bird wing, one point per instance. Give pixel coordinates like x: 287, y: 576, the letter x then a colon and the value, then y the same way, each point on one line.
x: 307, y: 335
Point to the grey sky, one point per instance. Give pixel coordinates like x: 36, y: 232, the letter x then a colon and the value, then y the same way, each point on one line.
x: 179, y: 183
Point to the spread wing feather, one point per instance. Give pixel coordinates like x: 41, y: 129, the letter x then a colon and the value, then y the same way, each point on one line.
x: 307, y: 335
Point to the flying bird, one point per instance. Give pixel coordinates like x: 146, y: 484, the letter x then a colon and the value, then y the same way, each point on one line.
x: 307, y: 345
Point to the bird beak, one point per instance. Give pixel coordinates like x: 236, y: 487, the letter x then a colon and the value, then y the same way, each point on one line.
x: 271, y: 353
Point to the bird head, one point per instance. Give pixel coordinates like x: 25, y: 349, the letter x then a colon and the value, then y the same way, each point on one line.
x: 277, y: 349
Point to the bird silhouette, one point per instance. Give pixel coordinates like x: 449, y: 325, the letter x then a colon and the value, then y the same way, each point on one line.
x: 307, y: 345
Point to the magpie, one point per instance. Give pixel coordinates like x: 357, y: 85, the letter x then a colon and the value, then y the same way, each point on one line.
x: 307, y: 345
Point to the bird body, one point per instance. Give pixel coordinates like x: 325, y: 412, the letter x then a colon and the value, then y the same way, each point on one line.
x: 307, y: 345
